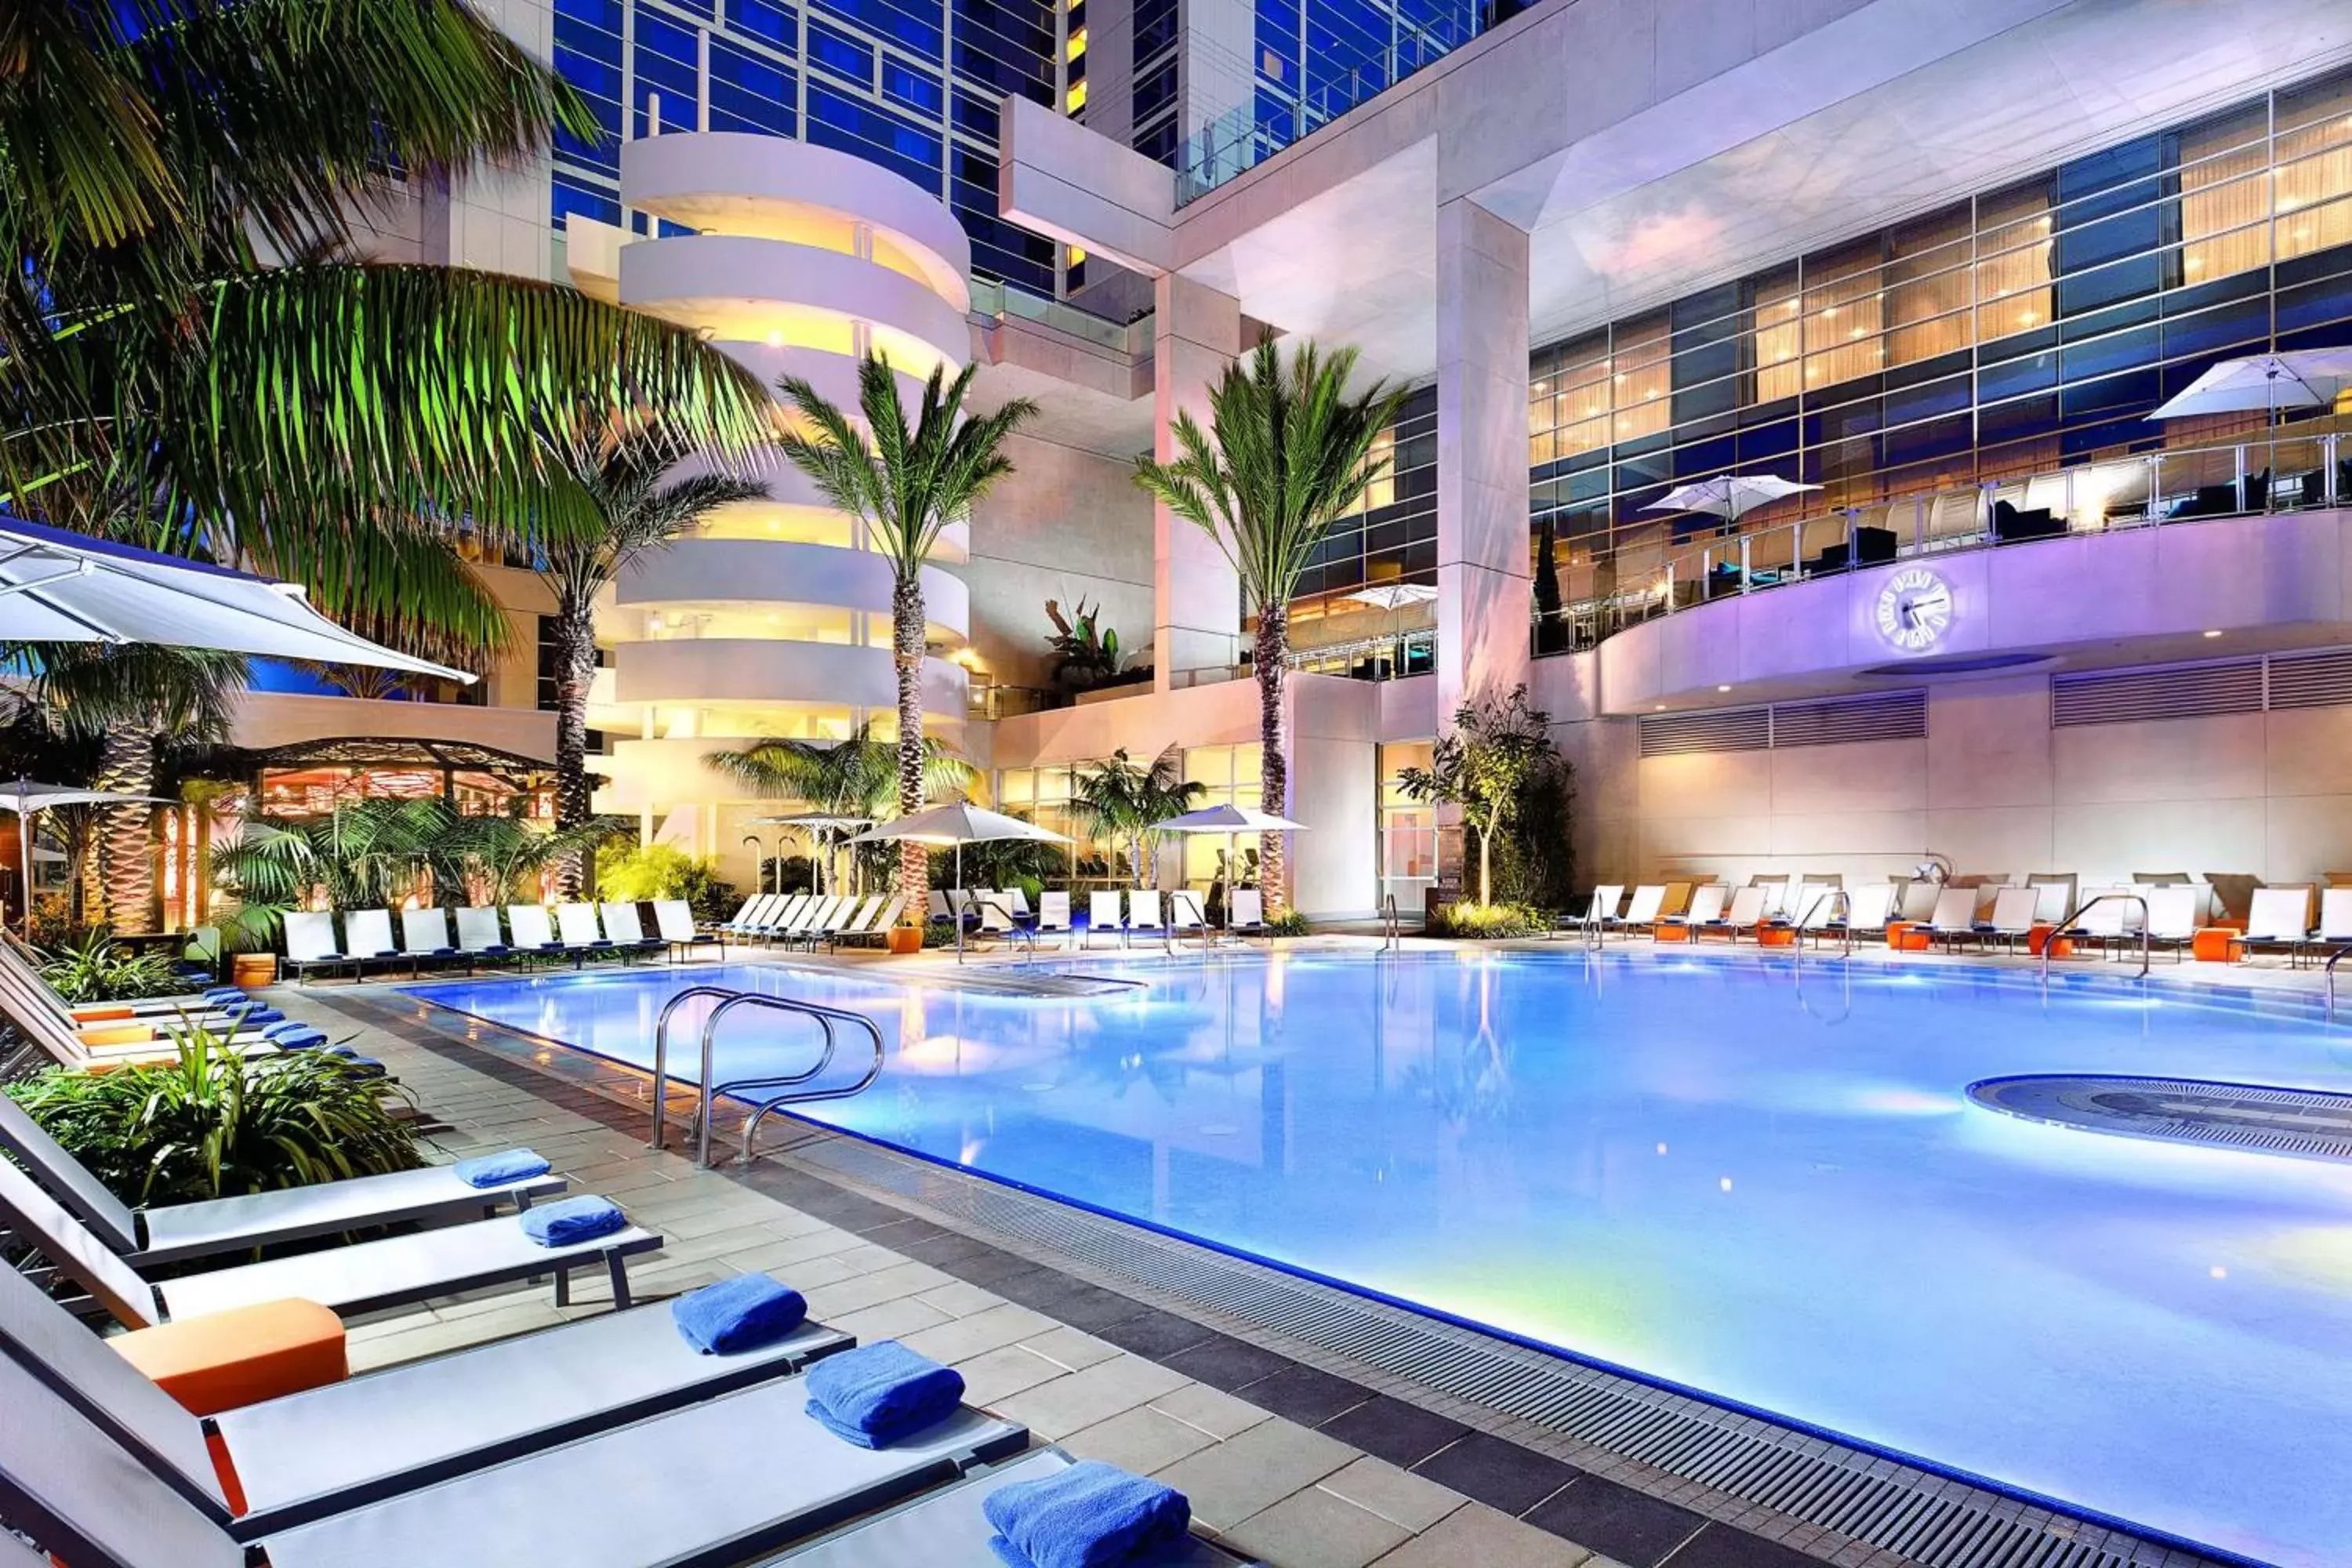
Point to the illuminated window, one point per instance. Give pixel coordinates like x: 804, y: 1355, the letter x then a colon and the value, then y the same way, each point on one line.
x: 1641, y: 377
x: 2015, y: 258
x: 2225, y: 197
x: 1077, y: 46
x: 1077, y: 97
x: 2315, y: 169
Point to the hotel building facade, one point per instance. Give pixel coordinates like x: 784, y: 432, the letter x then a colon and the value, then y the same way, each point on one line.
x: 1939, y: 262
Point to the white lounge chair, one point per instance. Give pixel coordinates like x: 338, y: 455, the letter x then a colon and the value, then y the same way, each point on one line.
x: 2335, y: 927
x: 398, y: 1271
x: 2107, y: 916
x: 1705, y: 907
x: 425, y: 938
x: 534, y: 934
x: 1054, y: 916
x: 1642, y: 911
x: 876, y: 927
x: 780, y: 913
x: 2279, y: 918
x: 1245, y: 913
x: 1746, y: 913
x: 746, y: 921
x: 2172, y: 918
x: 1867, y: 910
x: 936, y: 906
x: 80, y: 1040
x: 849, y: 914
x: 674, y: 922
x: 311, y: 944
x: 1102, y: 916
x: 1143, y: 917
x: 1600, y: 911
x: 305, y: 1455
x: 180, y: 1231
x: 367, y: 939
x: 479, y: 937
x: 1954, y: 919
x: 582, y: 935
x: 627, y: 931
x: 2014, y: 911
x: 1186, y: 916
x: 764, y: 1474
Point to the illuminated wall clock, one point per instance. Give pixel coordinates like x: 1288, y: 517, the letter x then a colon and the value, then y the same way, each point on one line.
x: 1914, y: 607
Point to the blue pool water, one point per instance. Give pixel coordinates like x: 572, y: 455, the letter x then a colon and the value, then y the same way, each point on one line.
x: 1690, y: 1170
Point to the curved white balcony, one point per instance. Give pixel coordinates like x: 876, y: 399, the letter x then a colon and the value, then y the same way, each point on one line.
x: 719, y: 571
x: 834, y: 375
x: 692, y: 671
x: 743, y: 289
x: 727, y: 182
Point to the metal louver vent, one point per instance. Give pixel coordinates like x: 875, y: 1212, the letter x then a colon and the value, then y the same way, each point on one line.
x: 2185, y: 692
x: 2311, y: 680
x: 1896, y: 716
x: 1717, y: 730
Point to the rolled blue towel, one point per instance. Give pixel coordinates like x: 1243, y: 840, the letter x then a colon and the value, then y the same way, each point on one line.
x: 1091, y: 1515
x: 366, y: 1067
x: 879, y: 1393
x: 567, y: 1222
x: 253, y: 1014
x: 226, y: 995
x: 498, y: 1169
x: 745, y: 1313
x: 285, y: 1031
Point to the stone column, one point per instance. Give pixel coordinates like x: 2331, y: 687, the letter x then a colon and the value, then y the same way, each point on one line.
x: 1485, y: 594
x: 1195, y: 600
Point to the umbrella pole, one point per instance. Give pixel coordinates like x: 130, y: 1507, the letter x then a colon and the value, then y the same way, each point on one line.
x: 24, y: 864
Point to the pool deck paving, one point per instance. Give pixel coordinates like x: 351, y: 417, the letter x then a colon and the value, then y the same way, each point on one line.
x: 1297, y: 1464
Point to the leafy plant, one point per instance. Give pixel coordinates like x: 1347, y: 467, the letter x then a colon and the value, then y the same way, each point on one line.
x: 1287, y: 453
x: 1290, y: 922
x: 213, y: 1124
x: 627, y: 871
x: 1483, y: 765
x: 97, y: 968
x: 906, y: 482
x: 1485, y: 921
x: 1083, y: 656
x: 856, y: 775
x: 1117, y: 800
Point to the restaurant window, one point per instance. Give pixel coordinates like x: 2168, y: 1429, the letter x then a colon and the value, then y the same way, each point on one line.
x: 1641, y: 377
x: 2315, y: 167
x: 2225, y: 197
x: 1844, y: 313
x: 1928, y: 297
x: 2015, y: 258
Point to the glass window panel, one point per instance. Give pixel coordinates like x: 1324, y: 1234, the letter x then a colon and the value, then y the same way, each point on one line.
x: 1640, y: 377
x: 1779, y: 336
x: 2014, y: 260
x: 2225, y: 197
x: 1928, y: 288
x: 1843, y: 315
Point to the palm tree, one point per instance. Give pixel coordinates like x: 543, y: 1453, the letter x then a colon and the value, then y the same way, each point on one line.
x: 905, y: 485
x: 619, y: 474
x: 854, y: 776
x: 325, y: 421
x: 1118, y: 800
x: 1287, y: 453
x: 127, y: 700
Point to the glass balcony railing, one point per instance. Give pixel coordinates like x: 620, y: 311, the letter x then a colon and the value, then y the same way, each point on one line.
x: 1407, y: 653
x: 2144, y: 490
x: 1000, y: 301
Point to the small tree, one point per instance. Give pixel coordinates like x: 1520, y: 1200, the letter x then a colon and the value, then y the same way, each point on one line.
x: 1119, y: 801
x: 1482, y: 765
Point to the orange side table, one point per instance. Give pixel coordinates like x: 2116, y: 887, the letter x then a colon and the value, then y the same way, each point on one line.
x: 1776, y: 936
x: 221, y: 1361
x: 2215, y: 944
x: 1908, y: 936
x: 2042, y: 935
x: 1672, y: 933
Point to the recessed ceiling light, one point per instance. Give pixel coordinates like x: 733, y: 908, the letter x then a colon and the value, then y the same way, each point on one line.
x: 1722, y: 689
x: 1662, y: 708
x: 2212, y: 634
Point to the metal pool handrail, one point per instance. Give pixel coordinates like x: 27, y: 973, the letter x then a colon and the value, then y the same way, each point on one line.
x: 2066, y: 924
x: 1846, y: 927
x: 1389, y: 938
x: 2329, y: 970
x: 824, y: 1018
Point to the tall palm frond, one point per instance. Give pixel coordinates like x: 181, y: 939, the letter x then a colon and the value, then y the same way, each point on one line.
x: 1286, y: 455
x: 1118, y: 800
x: 854, y: 776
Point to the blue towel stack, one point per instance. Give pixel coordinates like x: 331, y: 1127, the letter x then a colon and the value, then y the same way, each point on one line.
x: 366, y: 1067
x: 747, y: 1313
x: 1089, y: 1515
x: 880, y: 1394
x: 567, y: 1222
x: 498, y: 1169
x: 288, y: 1034
x: 225, y: 996
x: 253, y: 1014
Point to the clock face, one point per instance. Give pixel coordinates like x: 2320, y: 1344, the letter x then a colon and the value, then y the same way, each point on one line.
x: 1915, y: 606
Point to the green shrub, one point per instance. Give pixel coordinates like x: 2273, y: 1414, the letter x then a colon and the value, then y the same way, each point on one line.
x: 97, y: 968
x: 213, y: 1124
x: 625, y: 870
x: 1289, y: 922
x: 1475, y: 922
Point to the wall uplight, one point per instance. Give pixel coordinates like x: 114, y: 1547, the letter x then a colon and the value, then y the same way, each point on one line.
x: 1722, y: 689
x: 2213, y: 634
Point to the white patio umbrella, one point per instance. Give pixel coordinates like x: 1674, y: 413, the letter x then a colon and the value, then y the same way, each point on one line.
x: 1393, y: 595
x: 57, y: 586
x: 1728, y: 496
x: 1233, y: 821
x: 2301, y: 378
x: 959, y: 824
x: 25, y: 798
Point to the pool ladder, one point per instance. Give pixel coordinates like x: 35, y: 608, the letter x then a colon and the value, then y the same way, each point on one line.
x: 2067, y: 923
x: 1392, y: 937
x: 2333, y: 960
x: 700, y: 1124
x: 1845, y: 926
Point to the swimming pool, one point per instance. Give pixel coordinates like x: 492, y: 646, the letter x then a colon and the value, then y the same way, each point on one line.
x: 1693, y: 1170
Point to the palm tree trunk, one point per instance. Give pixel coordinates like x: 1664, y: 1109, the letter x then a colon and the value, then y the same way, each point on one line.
x: 575, y: 641
x: 906, y: 621
x: 126, y: 763
x: 1273, y: 773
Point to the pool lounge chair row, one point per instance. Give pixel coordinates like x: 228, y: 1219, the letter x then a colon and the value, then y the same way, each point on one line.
x: 521, y: 1451
x: 117, y: 1034
x: 574, y: 931
x: 810, y: 920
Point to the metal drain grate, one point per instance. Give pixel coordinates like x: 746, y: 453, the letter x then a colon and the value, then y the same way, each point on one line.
x: 2305, y: 1122
x: 1928, y: 1518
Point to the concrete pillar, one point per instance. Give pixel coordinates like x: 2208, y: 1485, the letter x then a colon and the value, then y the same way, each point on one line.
x: 1485, y: 594
x: 1195, y: 600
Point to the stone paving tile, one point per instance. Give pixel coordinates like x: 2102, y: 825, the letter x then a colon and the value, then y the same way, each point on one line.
x: 1499, y: 1474
x: 1156, y: 1333
x: 992, y: 1377
x: 1252, y: 1471
x: 890, y: 1320
x: 1316, y: 1528
x: 1143, y: 1440
x: 1069, y: 1347
x: 1475, y: 1536
x: 1399, y: 1432
x: 1305, y: 1395
x: 1075, y: 1401
x: 1218, y: 1413
x: 1398, y: 1495
x: 1227, y: 1364
x: 1632, y: 1527
x: 983, y: 1330
x: 960, y: 1299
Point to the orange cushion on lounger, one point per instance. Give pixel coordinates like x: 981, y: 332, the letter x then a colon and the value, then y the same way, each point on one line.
x: 121, y: 1035
x: 220, y: 1360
